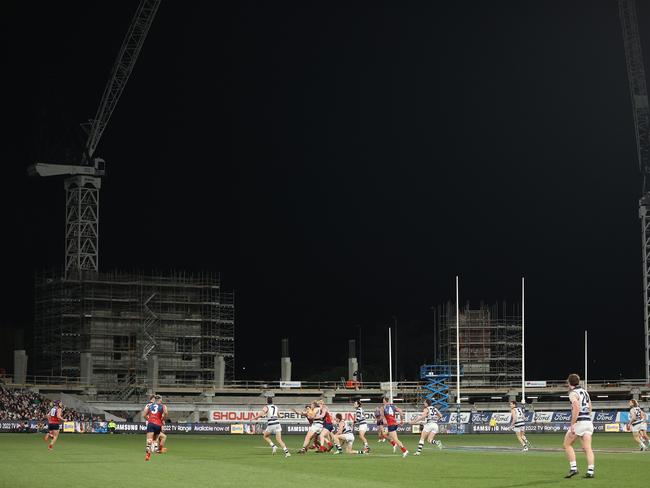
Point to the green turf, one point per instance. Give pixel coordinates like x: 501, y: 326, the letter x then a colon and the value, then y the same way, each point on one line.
x: 242, y: 461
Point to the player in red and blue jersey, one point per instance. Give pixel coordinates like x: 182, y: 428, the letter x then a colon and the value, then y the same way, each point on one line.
x: 389, y: 414
x: 155, y: 413
x: 326, y: 435
x: 381, y: 431
x: 54, y: 421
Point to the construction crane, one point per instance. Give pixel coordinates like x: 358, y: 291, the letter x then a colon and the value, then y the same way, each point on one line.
x: 83, y: 180
x: 639, y: 95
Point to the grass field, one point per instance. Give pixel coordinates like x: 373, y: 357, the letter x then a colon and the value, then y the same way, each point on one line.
x: 242, y: 461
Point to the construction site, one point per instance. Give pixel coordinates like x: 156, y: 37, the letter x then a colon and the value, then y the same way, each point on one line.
x: 490, y: 338
x: 115, y: 330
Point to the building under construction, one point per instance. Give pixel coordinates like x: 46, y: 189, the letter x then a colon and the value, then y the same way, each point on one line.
x: 490, y: 342
x: 108, y: 328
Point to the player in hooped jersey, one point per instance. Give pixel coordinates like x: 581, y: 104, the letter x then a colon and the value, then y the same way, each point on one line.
x: 270, y: 411
x: 315, y: 427
x: 308, y: 413
x: 155, y: 414
x: 518, y: 424
x: 388, y: 414
x: 361, y: 423
x: 638, y: 424
x: 581, y: 426
x: 344, y: 434
x: 430, y: 415
x: 54, y: 420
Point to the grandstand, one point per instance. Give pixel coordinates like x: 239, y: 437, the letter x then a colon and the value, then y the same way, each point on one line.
x: 194, y: 402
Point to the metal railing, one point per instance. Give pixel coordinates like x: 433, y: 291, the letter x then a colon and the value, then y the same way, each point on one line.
x: 401, y: 386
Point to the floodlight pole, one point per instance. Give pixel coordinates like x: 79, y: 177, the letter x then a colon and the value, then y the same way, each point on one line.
x: 390, y: 367
x: 523, y: 345
x: 457, y: 360
x: 585, y: 381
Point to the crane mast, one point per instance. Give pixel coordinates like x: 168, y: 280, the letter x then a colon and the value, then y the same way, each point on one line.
x: 639, y: 98
x: 83, y: 181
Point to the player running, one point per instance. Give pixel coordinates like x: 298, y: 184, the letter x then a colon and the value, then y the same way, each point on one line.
x: 155, y: 414
x: 159, y: 446
x: 638, y: 424
x: 581, y: 426
x: 361, y: 423
x: 270, y: 411
x: 388, y: 414
x: 431, y: 414
x: 518, y: 424
x: 381, y: 432
x: 54, y: 421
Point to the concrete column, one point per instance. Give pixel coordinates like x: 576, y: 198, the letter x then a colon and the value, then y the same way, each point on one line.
x: 219, y: 371
x: 353, y: 363
x: 353, y: 367
x: 152, y: 372
x: 20, y: 366
x: 86, y: 368
x: 285, y: 369
x: 285, y: 362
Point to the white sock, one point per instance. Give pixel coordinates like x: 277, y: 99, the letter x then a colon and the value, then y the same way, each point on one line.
x: 574, y: 465
x: 590, y: 468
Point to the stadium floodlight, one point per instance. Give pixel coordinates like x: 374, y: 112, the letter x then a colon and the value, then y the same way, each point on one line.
x: 602, y: 396
x: 496, y: 398
x: 398, y: 399
x: 533, y: 397
x: 364, y: 399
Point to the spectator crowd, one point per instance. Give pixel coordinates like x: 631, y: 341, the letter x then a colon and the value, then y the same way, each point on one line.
x: 19, y: 405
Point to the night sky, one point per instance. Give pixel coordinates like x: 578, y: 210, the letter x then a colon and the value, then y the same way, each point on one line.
x: 340, y: 162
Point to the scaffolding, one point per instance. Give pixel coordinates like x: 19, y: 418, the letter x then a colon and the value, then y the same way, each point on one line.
x: 490, y: 343
x: 119, y: 322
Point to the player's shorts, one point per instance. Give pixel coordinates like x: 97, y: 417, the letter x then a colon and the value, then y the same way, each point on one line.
x: 640, y: 426
x: 53, y: 426
x: 154, y: 428
x: 273, y: 429
x: 316, y: 428
x: 430, y: 427
x: 329, y: 427
x: 363, y: 428
x: 349, y: 437
x: 583, y: 427
x: 392, y: 428
x: 519, y: 429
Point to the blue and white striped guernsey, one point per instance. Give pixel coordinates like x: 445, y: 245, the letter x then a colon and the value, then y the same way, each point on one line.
x: 317, y: 421
x: 433, y: 414
x: 272, y: 415
x: 347, y: 429
x: 520, y: 417
x: 637, y: 413
x: 585, y: 403
x: 359, y: 417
